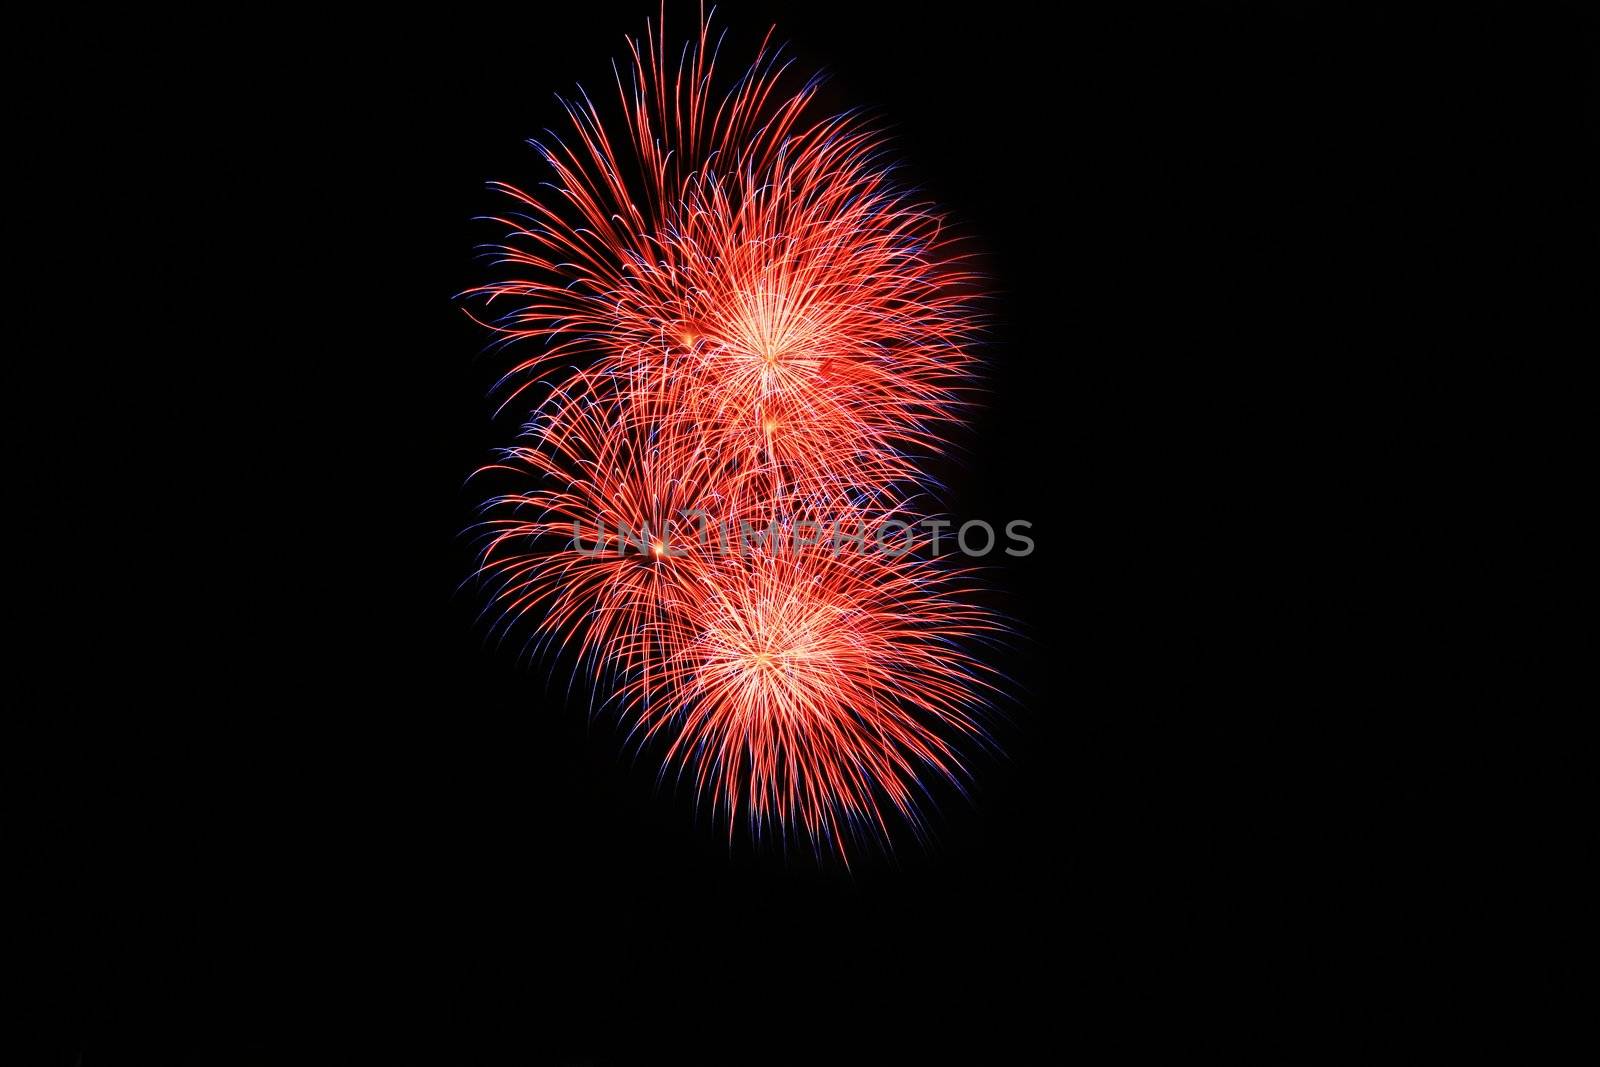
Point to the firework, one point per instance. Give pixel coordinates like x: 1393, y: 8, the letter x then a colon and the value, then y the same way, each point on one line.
x: 609, y: 528
x: 807, y: 313
x: 813, y: 690
x: 730, y: 316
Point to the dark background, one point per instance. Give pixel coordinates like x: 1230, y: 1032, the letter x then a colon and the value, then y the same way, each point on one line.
x: 1235, y: 248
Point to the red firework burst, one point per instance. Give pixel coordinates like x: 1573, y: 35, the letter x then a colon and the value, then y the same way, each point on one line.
x: 810, y: 315
x: 610, y: 527
x: 812, y: 690
x: 739, y: 319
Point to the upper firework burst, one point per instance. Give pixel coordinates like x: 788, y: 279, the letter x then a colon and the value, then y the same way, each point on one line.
x: 752, y: 261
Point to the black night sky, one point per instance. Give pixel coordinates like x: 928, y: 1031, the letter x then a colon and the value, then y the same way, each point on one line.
x: 351, y: 828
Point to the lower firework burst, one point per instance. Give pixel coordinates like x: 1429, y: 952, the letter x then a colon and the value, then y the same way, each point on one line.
x: 814, y: 690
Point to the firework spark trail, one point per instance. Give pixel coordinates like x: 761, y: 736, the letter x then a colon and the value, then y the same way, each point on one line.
x: 736, y: 312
